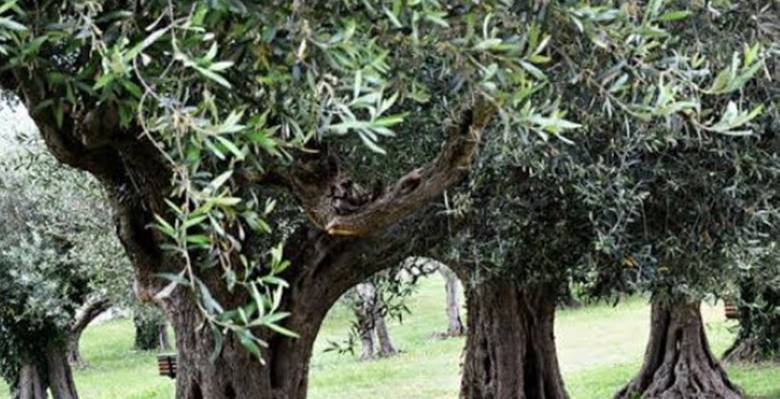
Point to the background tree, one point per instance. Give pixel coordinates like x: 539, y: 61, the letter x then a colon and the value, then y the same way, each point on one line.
x: 151, y: 328
x: 455, y: 326
x: 383, y: 296
x: 757, y: 296
x: 52, y: 271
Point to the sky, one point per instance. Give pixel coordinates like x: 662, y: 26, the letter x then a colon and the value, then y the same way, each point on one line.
x: 13, y: 120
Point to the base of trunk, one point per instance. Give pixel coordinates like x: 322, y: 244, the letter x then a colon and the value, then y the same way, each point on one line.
x: 678, y: 362
x: 510, y: 347
x: 31, y: 385
x: 747, y: 350
x: 61, y: 380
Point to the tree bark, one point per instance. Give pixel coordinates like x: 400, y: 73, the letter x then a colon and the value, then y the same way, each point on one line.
x: 84, y: 317
x: 31, y: 384
x: 510, y: 345
x: 454, y: 324
x: 365, y: 325
x: 60, y: 376
x: 678, y: 362
x: 386, y: 347
x: 317, y: 258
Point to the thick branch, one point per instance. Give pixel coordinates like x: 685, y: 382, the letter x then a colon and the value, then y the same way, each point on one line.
x: 338, y: 206
x: 89, y: 312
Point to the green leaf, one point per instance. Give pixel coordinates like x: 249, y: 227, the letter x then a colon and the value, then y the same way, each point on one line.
x: 213, y: 76
x: 148, y: 41
x: 675, y: 15
x: 11, y: 24
x: 218, y: 343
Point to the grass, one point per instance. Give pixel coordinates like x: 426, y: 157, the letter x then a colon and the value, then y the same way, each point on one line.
x: 600, y: 348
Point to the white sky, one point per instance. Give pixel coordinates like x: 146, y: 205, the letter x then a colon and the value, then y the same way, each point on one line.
x: 12, y: 122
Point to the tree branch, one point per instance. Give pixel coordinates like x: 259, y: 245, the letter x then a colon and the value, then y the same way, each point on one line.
x: 338, y: 206
x: 87, y: 313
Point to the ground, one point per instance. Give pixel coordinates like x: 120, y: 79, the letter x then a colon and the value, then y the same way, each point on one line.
x: 600, y: 347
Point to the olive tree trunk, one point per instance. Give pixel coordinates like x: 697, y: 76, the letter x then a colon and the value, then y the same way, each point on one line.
x: 31, y: 385
x: 455, y: 326
x: 386, y: 347
x: 374, y: 336
x: 678, y: 362
x: 510, y: 345
x: 319, y: 278
x: 353, y: 233
x: 60, y: 376
x: 50, y: 374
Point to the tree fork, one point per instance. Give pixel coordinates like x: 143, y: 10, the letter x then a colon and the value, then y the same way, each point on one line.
x: 678, y: 362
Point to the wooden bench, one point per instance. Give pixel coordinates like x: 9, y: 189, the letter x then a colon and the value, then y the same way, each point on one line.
x: 166, y: 364
x: 732, y: 313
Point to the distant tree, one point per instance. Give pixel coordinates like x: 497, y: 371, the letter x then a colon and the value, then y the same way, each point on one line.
x: 383, y: 296
x: 53, y: 272
x: 151, y: 328
x: 455, y: 326
x: 758, y: 303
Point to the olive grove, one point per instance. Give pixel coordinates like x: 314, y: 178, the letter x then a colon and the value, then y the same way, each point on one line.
x: 263, y: 158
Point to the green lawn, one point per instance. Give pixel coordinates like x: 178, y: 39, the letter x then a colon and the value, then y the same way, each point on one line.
x: 600, y: 347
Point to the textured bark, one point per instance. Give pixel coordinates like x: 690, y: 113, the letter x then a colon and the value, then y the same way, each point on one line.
x: 678, y: 362
x: 31, y: 384
x: 510, y: 345
x: 338, y: 205
x: 60, y: 376
x: 386, y: 347
x: 455, y: 326
x: 372, y: 328
x: 84, y: 317
x: 318, y: 258
x: 365, y: 325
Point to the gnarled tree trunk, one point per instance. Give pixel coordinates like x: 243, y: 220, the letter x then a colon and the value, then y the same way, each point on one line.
x: 60, y: 376
x: 236, y: 373
x: 50, y: 373
x: 374, y: 335
x: 510, y: 345
x: 678, y: 362
x: 31, y: 384
x: 351, y: 227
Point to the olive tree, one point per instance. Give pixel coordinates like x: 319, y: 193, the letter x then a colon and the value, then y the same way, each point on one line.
x: 201, y: 118
x: 673, y: 149
x: 54, y: 270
